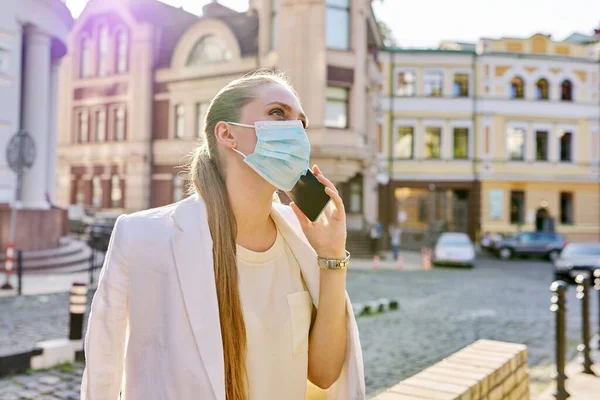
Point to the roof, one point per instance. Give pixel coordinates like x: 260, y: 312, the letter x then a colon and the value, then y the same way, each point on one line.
x: 428, y: 51
x: 173, y: 22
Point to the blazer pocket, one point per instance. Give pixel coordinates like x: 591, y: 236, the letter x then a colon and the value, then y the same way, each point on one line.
x: 300, y: 304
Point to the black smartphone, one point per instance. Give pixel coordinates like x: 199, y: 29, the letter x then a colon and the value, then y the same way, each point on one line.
x: 309, y: 195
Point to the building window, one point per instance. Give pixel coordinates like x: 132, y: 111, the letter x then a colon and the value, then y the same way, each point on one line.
x: 122, y: 50
x: 96, y: 192
x: 406, y: 83
x: 516, y: 144
x: 566, y: 147
x: 209, y: 49
x: 379, y: 138
x: 541, y: 146
x: 336, y: 109
x: 4, y: 61
x: 566, y: 90
x: 84, y: 127
x: 337, y: 24
x: 404, y: 147
x: 85, y: 63
x: 517, y: 88
x: 460, y: 86
x: 460, y: 149
x: 115, y: 191
x: 179, y: 121
x: 103, y: 51
x: 517, y: 207
x: 434, y: 83
x: 201, y: 109
x: 433, y: 142
x: 356, y: 196
x: 101, y: 126
x: 566, y: 208
x: 274, y: 23
x: 79, y: 191
x: 119, y: 124
x: 542, y: 89
x: 178, y: 188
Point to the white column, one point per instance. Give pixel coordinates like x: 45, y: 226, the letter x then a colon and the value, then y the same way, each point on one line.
x: 52, y: 129
x: 36, y: 87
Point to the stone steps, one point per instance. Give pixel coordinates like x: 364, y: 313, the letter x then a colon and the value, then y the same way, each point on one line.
x: 72, y: 256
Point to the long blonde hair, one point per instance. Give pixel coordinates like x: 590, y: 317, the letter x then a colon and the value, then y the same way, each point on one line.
x: 208, y: 177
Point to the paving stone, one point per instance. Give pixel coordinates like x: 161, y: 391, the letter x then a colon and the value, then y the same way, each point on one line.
x: 29, y: 395
x: 443, y: 310
x: 49, y: 380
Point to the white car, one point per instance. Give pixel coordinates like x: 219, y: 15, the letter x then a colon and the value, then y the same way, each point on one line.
x: 453, y: 248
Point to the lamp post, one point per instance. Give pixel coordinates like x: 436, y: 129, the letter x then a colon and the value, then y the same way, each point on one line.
x: 20, y: 156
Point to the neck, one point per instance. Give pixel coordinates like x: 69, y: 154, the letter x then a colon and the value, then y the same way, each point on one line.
x: 252, y: 209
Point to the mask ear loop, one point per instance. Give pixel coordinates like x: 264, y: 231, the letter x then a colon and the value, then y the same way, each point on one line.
x: 244, y: 126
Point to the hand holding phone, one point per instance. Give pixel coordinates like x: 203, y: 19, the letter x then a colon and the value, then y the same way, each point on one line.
x: 310, y: 196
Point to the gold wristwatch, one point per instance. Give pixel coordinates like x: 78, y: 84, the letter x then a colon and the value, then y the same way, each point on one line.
x: 329, y: 263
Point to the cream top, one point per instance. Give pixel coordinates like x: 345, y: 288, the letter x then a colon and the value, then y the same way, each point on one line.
x: 277, y: 312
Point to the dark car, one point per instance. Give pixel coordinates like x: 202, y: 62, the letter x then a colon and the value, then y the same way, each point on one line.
x: 576, y: 259
x: 536, y: 244
x: 100, y: 230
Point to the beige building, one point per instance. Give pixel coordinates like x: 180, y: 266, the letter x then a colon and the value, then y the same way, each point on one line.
x: 136, y: 84
x: 485, y: 136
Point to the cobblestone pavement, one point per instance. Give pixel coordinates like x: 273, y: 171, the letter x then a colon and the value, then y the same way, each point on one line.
x: 441, y: 311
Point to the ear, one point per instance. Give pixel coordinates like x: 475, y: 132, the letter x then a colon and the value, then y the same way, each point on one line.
x: 224, y: 135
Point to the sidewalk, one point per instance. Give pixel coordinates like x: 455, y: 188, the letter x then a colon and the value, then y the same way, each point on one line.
x: 47, y: 283
x: 61, y: 283
x: 411, y: 262
x: 579, y: 385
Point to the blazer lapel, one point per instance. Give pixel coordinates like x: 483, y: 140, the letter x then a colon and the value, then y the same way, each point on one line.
x: 192, y: 250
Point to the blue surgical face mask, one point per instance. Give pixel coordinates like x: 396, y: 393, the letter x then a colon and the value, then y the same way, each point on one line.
x: 282, y: 152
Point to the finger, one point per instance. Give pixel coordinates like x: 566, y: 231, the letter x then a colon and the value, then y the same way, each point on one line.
x: 304, y: 221
x: 317, y: 170
x: 327, y: 182
x: 337, y: 200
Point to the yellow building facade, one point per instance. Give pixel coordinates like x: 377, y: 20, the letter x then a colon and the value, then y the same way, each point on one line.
x: 483, y: 137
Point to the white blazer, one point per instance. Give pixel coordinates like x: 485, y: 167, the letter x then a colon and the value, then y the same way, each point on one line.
x: 154, y: 330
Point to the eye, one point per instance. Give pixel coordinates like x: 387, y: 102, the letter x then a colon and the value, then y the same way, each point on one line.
x: 277, y: 112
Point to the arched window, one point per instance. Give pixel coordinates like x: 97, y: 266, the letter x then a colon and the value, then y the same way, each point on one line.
x: 517, y: 88
x: 121, y: 47
x: 542, y: 89
x: 85, y: 59
x: 566, y: 90
x: 103, y: 51
x: 209, y: 49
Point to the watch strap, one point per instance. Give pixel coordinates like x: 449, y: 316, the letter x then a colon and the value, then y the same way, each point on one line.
x: 331, y: 263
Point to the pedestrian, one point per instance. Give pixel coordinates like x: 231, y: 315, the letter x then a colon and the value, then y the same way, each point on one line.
x: 375, y: 235
x: 215, y: 297
x: 395, y: 239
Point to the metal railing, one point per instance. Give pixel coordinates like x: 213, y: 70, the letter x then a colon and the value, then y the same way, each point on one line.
x: 559, y: 307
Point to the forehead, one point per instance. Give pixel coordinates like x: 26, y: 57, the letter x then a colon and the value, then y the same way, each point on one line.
x: 280, y: 94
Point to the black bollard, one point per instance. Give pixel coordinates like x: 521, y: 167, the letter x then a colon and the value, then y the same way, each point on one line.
x: 597, y: 287
x: 19, y: 272
x: 559, y: 307
x: 92, y: 262
x: 583, y: 294
x: 77, y: 307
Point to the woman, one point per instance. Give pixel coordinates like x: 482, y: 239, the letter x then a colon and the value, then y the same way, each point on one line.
x: 220, y: 296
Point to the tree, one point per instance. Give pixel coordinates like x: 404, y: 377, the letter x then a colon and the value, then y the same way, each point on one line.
x: 386, y: 34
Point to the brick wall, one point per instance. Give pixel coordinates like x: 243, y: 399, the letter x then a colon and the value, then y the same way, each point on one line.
x: 485, y: 370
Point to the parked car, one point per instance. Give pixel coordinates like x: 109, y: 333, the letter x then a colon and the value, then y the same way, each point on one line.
x: 454, y: 248
x: 537, y: 244
x: 100, y: 230
x: 576, y: 259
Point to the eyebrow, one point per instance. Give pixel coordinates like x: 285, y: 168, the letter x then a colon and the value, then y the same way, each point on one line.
x: 289, y: 109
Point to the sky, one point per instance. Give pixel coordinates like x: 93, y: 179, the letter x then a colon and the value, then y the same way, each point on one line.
x: 424, y: 23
